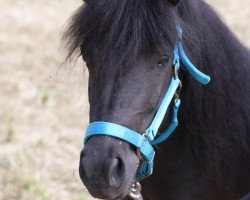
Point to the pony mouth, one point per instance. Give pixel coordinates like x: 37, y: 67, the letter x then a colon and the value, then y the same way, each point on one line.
x: 125, y: 194
x: 118, y: 196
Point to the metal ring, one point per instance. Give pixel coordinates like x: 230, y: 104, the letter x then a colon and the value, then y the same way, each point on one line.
x: 145, y: 134
x: 178, y: 91
x: 176, y: 67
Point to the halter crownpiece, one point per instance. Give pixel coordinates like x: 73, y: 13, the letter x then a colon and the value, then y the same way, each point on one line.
x: 144, y: 142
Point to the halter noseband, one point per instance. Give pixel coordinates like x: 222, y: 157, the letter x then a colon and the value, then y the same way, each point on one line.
x: 144, y: 142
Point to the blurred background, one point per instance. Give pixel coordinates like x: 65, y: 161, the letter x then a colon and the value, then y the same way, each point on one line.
x: 43, y: 103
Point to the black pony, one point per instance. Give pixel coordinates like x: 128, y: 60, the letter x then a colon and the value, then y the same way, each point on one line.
x: 128, y: 47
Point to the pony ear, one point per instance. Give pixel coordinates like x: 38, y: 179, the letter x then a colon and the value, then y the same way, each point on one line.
x: 174, y: 2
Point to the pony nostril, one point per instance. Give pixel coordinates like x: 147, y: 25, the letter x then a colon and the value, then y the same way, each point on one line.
x: 116, y: 172
x: 119, y: 164
x: 116, y: 165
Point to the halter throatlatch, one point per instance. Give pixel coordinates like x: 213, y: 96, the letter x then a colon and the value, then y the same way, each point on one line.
x: 144, y: 142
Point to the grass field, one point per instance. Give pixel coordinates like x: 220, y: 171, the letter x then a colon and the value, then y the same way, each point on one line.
x: 43, y: 105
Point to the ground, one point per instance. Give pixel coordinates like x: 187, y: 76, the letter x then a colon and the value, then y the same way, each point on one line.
x: 43, y: 103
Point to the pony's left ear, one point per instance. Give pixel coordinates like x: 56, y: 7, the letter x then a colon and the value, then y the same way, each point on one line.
x: 174, y: 2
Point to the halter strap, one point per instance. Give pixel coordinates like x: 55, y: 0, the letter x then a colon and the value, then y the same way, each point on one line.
x: 123, y: 133
x: 198, y: 75
x: 144, y: 142
x: 172, y: 126
x: 157, y: 121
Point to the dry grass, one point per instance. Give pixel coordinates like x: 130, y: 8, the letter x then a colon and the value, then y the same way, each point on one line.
x: 41, y: 106
x: 43, y: 109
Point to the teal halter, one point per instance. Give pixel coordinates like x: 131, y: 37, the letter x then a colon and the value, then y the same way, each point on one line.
x: 143, y: 142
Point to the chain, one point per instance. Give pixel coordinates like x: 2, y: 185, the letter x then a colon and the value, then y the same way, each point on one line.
x: 135, y: 192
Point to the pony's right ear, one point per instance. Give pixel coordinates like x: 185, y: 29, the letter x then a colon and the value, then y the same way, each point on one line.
x: 174, y: 2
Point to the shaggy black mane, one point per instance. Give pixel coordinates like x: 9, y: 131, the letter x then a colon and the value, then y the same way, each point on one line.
x: 122, y: 29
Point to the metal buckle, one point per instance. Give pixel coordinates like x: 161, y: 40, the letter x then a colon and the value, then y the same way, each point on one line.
x: 138, y: 152
x: 141, y: 157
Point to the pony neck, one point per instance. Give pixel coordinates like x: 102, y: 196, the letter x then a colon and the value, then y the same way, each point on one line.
x: 215, y: 118
x: 217, y: 52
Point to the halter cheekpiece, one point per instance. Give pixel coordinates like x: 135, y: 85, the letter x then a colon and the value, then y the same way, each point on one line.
x: 145, y: 142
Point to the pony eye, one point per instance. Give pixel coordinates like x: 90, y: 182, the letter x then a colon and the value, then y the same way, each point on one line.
x: 163, y: 60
